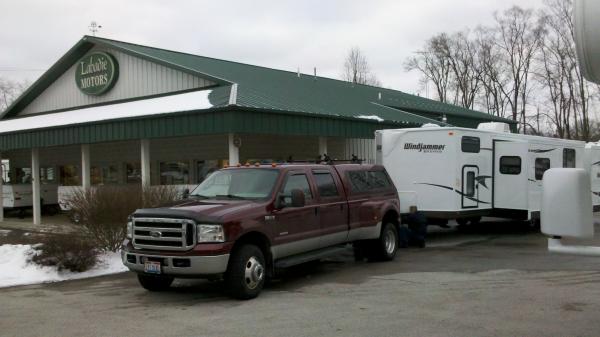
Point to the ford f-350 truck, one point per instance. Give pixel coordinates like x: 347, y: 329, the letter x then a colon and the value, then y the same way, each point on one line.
x: 242, y: 223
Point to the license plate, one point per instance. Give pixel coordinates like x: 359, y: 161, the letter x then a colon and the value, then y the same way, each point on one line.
x: 152, y: 267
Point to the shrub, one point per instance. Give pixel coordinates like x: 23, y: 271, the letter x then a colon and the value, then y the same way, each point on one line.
x: 66, y: 253
x: 101, y: 212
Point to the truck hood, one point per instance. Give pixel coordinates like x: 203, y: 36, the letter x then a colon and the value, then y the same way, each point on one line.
x: 199, y: 210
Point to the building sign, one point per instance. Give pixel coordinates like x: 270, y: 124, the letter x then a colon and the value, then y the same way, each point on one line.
x: 96, y: 73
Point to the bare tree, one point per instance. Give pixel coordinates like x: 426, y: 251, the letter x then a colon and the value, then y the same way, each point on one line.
x: 433, y: 64
x: 519, y: 37
x: 9, y: 91
x: 493, y: 72
x: 357, y: 70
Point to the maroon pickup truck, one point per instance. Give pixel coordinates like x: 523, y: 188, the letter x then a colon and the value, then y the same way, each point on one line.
x: 242, y: 223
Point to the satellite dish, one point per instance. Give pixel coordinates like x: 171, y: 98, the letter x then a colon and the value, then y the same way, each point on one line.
x: 587, y: 37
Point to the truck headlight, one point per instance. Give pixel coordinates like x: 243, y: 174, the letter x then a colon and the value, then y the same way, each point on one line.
x: 129, y: 229
x: 210, y: 233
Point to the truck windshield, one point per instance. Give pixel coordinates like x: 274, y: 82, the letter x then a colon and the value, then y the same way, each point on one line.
x: 243, y: 183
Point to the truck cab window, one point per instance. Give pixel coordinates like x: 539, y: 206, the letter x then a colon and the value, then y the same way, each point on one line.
x: 470, y: 144
x: 296, y: 181
x: 510, y: 165
x: 541, y: 165
x: 326, y: 184
x: 569, y: 158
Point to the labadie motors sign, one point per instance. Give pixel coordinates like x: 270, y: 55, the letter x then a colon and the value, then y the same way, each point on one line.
x: 96, y: 73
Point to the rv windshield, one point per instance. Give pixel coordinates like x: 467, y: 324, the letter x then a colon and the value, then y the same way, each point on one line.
x: 245, y: 183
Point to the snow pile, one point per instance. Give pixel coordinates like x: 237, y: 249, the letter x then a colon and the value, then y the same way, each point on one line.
x: 373, y: 117
x: 17, y: 270
x: 195, y: 100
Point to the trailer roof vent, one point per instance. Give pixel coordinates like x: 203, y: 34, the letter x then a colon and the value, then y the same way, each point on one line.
x: 494, y: 126
x: 430, y: 125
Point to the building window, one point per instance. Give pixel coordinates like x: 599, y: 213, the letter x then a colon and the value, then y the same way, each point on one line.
x: 133, y: 173
x: 70, y: 175
x: 569, y: 158
x: 541, y: 165
x: 104, y: 175
x: 510, y: 165
x: 470, y: 144
x: 47, y: 175
x: 174, y: 173
x: 205, y: 167
x: 23, y: 175
x: 325, y: 184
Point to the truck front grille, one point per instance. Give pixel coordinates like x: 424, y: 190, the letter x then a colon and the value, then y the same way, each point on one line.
x: 164, y: 233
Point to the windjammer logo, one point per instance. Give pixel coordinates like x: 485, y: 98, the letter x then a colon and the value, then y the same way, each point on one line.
x: 424, y: 147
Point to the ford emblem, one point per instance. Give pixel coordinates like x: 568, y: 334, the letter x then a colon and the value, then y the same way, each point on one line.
x: 155, y: 234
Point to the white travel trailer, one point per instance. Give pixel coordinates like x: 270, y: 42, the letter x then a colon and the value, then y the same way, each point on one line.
x: 592, y: 161
x: 463, y: 174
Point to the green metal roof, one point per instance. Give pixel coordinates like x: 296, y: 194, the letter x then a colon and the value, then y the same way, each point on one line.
x: 271, y: 89
x: 267, y: 101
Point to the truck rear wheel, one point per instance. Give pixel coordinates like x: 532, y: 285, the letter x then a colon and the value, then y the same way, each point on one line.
x: 246, y: 273
x: 385, y: 247
x: 155, y: 282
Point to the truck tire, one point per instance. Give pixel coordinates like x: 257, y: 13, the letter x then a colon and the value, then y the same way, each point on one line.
x: 155, y: 282
x: 246, y: 273
x: 385, y: 247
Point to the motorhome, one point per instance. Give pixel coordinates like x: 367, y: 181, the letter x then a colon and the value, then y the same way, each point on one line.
x: 464, y: 174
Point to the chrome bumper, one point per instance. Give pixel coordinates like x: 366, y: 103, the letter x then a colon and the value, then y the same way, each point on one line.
x: 198, y: 265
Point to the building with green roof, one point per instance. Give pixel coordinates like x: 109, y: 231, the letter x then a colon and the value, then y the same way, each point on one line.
x: 111, y: 112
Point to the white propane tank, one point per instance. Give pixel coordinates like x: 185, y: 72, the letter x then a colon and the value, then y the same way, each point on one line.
x: 567, y: 203
x: 494, y: 126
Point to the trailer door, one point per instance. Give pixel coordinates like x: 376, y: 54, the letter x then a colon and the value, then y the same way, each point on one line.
x: 510, y: 175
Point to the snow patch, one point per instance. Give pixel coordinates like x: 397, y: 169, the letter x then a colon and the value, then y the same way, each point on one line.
x: 17, y: 270
x: 5, y: 232
x: 196, y: 100
x: 373, y: 117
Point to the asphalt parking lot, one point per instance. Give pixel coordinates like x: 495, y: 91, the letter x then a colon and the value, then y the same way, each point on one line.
x: 497, y: 279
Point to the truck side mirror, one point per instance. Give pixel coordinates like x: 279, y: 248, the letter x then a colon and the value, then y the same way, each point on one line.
x: 279, y: 201
x: 298, y: 198
x: 186, y: 193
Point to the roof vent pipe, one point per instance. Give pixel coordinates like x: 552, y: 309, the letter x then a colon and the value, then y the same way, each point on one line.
x: 379, y: 96
x: 444, y: 119
x: 298, y: 72
x: 315, y: 73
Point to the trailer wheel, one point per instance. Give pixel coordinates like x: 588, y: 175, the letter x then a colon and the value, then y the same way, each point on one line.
x: 154, y: 282
x: 246, y: 273
x: 385, y: 247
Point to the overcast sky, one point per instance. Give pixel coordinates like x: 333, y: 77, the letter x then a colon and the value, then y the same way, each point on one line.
x: 277, y: 34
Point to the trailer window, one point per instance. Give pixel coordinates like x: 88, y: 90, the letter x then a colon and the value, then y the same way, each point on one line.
x: 470, y: 144
x: 510, y: 165
x: 569, y: 158
x: 541, y: 165
x: 470, y: 184
x: 326, y: 184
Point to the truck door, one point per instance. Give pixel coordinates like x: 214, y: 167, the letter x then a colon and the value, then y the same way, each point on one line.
x: 333, y: 208
x: 470, y: 190
x: 510, y: 175
x: 297, y: 229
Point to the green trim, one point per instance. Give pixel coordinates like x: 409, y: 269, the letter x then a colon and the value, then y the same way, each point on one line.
x: 214, y: 121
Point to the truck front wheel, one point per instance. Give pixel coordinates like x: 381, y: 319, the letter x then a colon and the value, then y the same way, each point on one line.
x: 154, y: 282
x: 385, y: 247
x: 245, y: 276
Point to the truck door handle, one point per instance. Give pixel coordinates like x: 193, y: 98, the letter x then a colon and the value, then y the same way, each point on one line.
x: 341, y: 207
x: 316, y: 210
